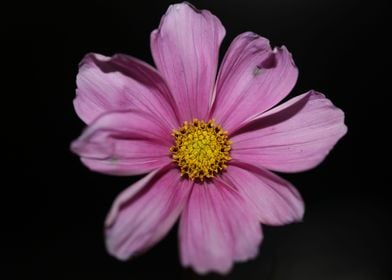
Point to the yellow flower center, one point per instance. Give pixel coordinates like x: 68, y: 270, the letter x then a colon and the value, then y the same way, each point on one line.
x: 201, y: 149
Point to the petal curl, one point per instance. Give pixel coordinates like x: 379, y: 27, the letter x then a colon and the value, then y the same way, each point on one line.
x: 124, y: 143
x: 121, y: 82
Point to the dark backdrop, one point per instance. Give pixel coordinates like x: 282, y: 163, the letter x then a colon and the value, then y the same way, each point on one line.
x: 54, y: 207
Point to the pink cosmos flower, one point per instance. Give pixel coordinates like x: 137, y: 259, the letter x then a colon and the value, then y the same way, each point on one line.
x: 207, y: 140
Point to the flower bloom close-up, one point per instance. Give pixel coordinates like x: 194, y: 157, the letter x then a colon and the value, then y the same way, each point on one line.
x: 207, y: 139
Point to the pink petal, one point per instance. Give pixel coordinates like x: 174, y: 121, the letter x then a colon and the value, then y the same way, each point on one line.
x: 143, y: 214
x: 120, y: 83
x: 124, y: 143
x: 185, y: 49
x: 252, y: 79
x: 217, y: 228
x: 275, y: 200
x: 293, y: 137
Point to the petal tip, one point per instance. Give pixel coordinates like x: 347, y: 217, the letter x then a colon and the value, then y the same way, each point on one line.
x: 201, y: 270
x: 76, y: 147
x: 190, y: 6
x: 92, y: 57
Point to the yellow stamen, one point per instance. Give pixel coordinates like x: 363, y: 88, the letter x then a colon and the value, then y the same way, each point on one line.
x: 201, y: 149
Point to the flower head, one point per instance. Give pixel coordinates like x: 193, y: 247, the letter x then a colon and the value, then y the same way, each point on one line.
x: 201, y: 149
x: 207, y: 140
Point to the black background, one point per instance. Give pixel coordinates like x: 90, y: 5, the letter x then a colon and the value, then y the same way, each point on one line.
x: 53, y: 207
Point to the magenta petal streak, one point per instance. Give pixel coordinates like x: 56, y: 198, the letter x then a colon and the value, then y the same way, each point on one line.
x: 274, y: 200
x: 217, y: 215
x: 293, y: 137
x: 143, y: 214
x: 252, y: 79
x: 185, y: 48
x: 118, y: 83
